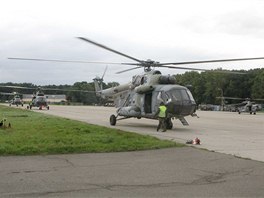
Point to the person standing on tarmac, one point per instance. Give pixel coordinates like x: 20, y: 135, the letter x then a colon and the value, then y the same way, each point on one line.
x: 162, y: 114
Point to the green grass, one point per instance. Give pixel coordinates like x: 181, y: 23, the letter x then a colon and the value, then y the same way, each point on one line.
x: 36, y: 133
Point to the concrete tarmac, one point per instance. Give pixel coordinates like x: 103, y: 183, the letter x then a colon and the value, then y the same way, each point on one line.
x: 173, y: 172
x: 241, y: 135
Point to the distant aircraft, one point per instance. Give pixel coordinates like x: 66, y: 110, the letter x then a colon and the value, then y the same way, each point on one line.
x: 16, y: 100
x: 39, y: 100
x: 246, y: 106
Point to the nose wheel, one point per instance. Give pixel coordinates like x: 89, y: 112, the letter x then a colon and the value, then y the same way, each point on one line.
x: 113, y: 120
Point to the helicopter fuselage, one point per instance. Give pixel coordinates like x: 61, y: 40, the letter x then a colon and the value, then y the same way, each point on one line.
x: 39, y: 100
x: 16, y: 101
x: 141, y: 98
x: 178, y: 100
x: 248, y: 107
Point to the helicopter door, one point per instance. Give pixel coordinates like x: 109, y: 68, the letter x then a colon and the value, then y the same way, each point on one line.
x: 148, y: 103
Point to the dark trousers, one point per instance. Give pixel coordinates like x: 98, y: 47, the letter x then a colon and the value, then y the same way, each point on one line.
x: 162, y: 124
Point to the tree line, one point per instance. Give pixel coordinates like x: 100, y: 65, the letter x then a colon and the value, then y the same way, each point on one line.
x: 205, y: 87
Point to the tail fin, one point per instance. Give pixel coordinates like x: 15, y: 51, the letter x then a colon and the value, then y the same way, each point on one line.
x: 98, y: 84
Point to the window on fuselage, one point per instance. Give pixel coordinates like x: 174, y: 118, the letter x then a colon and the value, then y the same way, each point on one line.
x: 177, y: 95
x: 190, y: 95
x: 185, y: 95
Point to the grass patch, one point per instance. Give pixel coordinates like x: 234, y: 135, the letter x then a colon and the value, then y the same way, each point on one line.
x: 36, y: 133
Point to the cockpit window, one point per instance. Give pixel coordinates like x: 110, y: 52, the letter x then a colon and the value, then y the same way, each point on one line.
x: 184, y: 94
x: 165, y: 96
x: 175, y: 95
x: 178, y: 95
x: 190, y: 95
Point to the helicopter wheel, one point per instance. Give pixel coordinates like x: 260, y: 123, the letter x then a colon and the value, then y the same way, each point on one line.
x: 169, y: 123
x: 47, y: 107
x: 113, y: 120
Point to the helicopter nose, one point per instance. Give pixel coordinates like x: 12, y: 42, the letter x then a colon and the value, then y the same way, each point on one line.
x: 182, y: 108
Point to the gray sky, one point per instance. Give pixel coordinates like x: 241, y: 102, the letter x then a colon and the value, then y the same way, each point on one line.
x: 165, y: 31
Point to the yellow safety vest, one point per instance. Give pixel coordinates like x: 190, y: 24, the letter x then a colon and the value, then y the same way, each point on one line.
x: 162, y: 111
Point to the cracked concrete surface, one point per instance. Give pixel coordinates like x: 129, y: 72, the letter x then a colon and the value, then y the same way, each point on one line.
x: 175, y: 172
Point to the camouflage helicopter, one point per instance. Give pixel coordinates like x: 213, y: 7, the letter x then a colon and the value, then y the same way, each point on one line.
x: 38, y: 98
x: 141, y: 97
x: 246, y: 106
x: 16, y: 100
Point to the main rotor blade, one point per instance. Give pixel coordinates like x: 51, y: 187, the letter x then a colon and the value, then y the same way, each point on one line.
x: 70, y: 90
x: 47, y: 89
x: 104, y: 72
x: 16, y: 87
x: 127, y: 70
x: 212, y: 61
x: 109, y: 49
x: 63, y: 61
x: 259, y: 99
x: 233, y: 98
x: 7, y: 94
x: 199, y: 69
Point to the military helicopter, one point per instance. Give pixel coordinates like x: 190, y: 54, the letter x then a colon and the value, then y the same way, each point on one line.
x: 246, y: 106
x: 141, y: 97
x: 39, y: 100
x: 16, y: 100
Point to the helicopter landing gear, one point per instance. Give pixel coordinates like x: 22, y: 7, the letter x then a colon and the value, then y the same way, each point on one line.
x: 169, y: 123
x: 47, y: 107
x: 113, y: 120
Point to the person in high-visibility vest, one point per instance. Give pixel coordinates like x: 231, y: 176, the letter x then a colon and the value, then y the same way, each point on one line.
x: 162, y: 115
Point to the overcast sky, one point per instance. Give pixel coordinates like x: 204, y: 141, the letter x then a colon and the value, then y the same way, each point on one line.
x: 165, y: 31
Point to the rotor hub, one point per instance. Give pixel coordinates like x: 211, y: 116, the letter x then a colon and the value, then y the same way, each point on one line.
x: 148, y: 64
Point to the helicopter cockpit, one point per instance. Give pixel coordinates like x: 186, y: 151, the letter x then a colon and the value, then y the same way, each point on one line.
x: 179, y: 101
